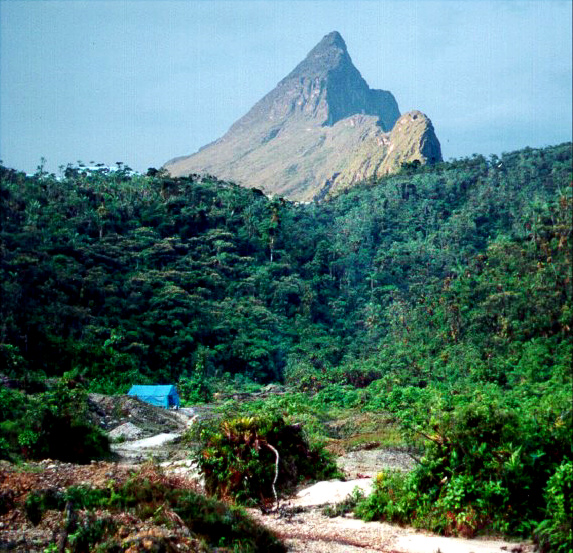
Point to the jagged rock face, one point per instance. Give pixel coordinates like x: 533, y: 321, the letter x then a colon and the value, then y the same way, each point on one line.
x: 321, y: 129
x: 324, y: 88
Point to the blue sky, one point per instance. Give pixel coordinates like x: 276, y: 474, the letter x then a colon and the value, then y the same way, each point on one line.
x: 146, y: 80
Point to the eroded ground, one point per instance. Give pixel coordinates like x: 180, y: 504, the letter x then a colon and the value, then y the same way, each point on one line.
x: 147, y: 438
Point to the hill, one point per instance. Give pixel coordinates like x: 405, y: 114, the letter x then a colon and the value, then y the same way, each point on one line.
x: 122, y: 277
x: 436, y: 300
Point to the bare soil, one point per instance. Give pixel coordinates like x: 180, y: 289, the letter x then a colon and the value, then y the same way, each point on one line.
x: 300, y: 522
x: 109, y: 412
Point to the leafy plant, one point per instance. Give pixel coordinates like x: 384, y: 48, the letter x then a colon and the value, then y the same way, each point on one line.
x: 554, y: 532
x: 472, y: 475
x: 345, y: 506
x: 239, y: 458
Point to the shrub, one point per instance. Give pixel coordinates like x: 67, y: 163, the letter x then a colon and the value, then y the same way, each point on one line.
x: 52, y: 424
x: 488, y: 457
x: 336, y: 395
x: 388, y: 501
x: 554, y: 532
x: 195, y: 389
x: 237, y: 457
x: 57, y: 427
x: 150, y: 496
x: 12, y: 404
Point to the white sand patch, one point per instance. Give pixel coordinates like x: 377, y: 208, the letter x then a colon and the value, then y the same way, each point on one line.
x: 146, y: 443
x: 332, y: 491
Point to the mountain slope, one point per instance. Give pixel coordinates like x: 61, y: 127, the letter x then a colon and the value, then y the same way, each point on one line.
x: 132, y: 277
x: 322, y: 128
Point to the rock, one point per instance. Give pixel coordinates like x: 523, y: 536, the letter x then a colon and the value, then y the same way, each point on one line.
x: 127, y: 431
x: 369, y: 462
x: 320, y: 130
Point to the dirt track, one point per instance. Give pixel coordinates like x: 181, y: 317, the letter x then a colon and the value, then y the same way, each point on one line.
x: 301, y: 525
x: 311, y: 532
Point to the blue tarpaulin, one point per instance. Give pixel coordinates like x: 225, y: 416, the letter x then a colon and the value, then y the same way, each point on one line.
x: 163, y: 396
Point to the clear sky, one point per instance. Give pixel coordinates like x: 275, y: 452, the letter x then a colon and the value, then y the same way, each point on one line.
x: 143, y: 81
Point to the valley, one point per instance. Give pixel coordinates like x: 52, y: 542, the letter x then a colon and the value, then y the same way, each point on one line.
x: 301, y: 520
x: 424, y: 312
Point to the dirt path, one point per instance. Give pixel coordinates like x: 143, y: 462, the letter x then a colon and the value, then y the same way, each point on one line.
x: 301, y: 523
x: 311, y: 532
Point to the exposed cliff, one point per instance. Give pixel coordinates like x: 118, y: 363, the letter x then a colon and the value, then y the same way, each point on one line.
x: 321, y: 129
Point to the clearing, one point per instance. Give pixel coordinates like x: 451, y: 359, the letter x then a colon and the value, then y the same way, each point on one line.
x: 142, y: 432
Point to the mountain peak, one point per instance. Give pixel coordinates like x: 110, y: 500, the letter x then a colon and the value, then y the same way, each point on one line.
x: 331, y: 40
x: 329, y: 54
x: 323, y: 89
x: 320, y: 129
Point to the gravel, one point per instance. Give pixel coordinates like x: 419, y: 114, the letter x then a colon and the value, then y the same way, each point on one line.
x: 127, y: 431
x: 311, y: 532
x: 368, y: 463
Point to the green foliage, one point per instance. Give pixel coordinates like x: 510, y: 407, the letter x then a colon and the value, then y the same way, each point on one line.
x: 389, y: 501
x: 53, y: 424
x: 193, y: 390
x: 441, y: 295
x: 337, y: 395
x: 554, y: 533
x: 146, y: 498
x: 237, y: 458
x: 487, y: 462
x: 12, y: 404
x: 123, y: 277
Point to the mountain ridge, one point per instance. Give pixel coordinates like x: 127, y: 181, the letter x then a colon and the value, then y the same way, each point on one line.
x: 307, y: 134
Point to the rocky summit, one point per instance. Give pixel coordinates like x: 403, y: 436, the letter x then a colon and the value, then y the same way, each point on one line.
x: 320, y: 130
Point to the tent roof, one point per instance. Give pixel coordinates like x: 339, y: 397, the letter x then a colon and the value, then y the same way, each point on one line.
x: 151, y: 390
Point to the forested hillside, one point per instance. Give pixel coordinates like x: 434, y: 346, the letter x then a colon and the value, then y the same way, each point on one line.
x: 442, y: 272
x: 440, y: 296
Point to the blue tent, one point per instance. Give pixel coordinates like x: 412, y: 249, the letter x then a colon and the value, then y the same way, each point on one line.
x: 162, y: 396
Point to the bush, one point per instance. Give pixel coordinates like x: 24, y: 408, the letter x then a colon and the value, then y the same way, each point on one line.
x: 389, y: 500
x: 53, y: 424
x: 487, y: 464
x: 57, y: 427
x: 12, y: 404
x: 150, y: 496
x: 336, y: 395
x: 554, y: 533
x: 194, y: 390
x: 237, y: 458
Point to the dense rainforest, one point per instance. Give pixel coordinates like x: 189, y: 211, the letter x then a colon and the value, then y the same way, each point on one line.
x: 440, y: 271
x: 441, y: 294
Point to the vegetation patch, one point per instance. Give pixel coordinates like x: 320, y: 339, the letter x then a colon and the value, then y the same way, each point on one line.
x: 439, y: 298
x: 149, y: 510
x: 475, y: 476
x: 54, y: 424
x: 253, y: 459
